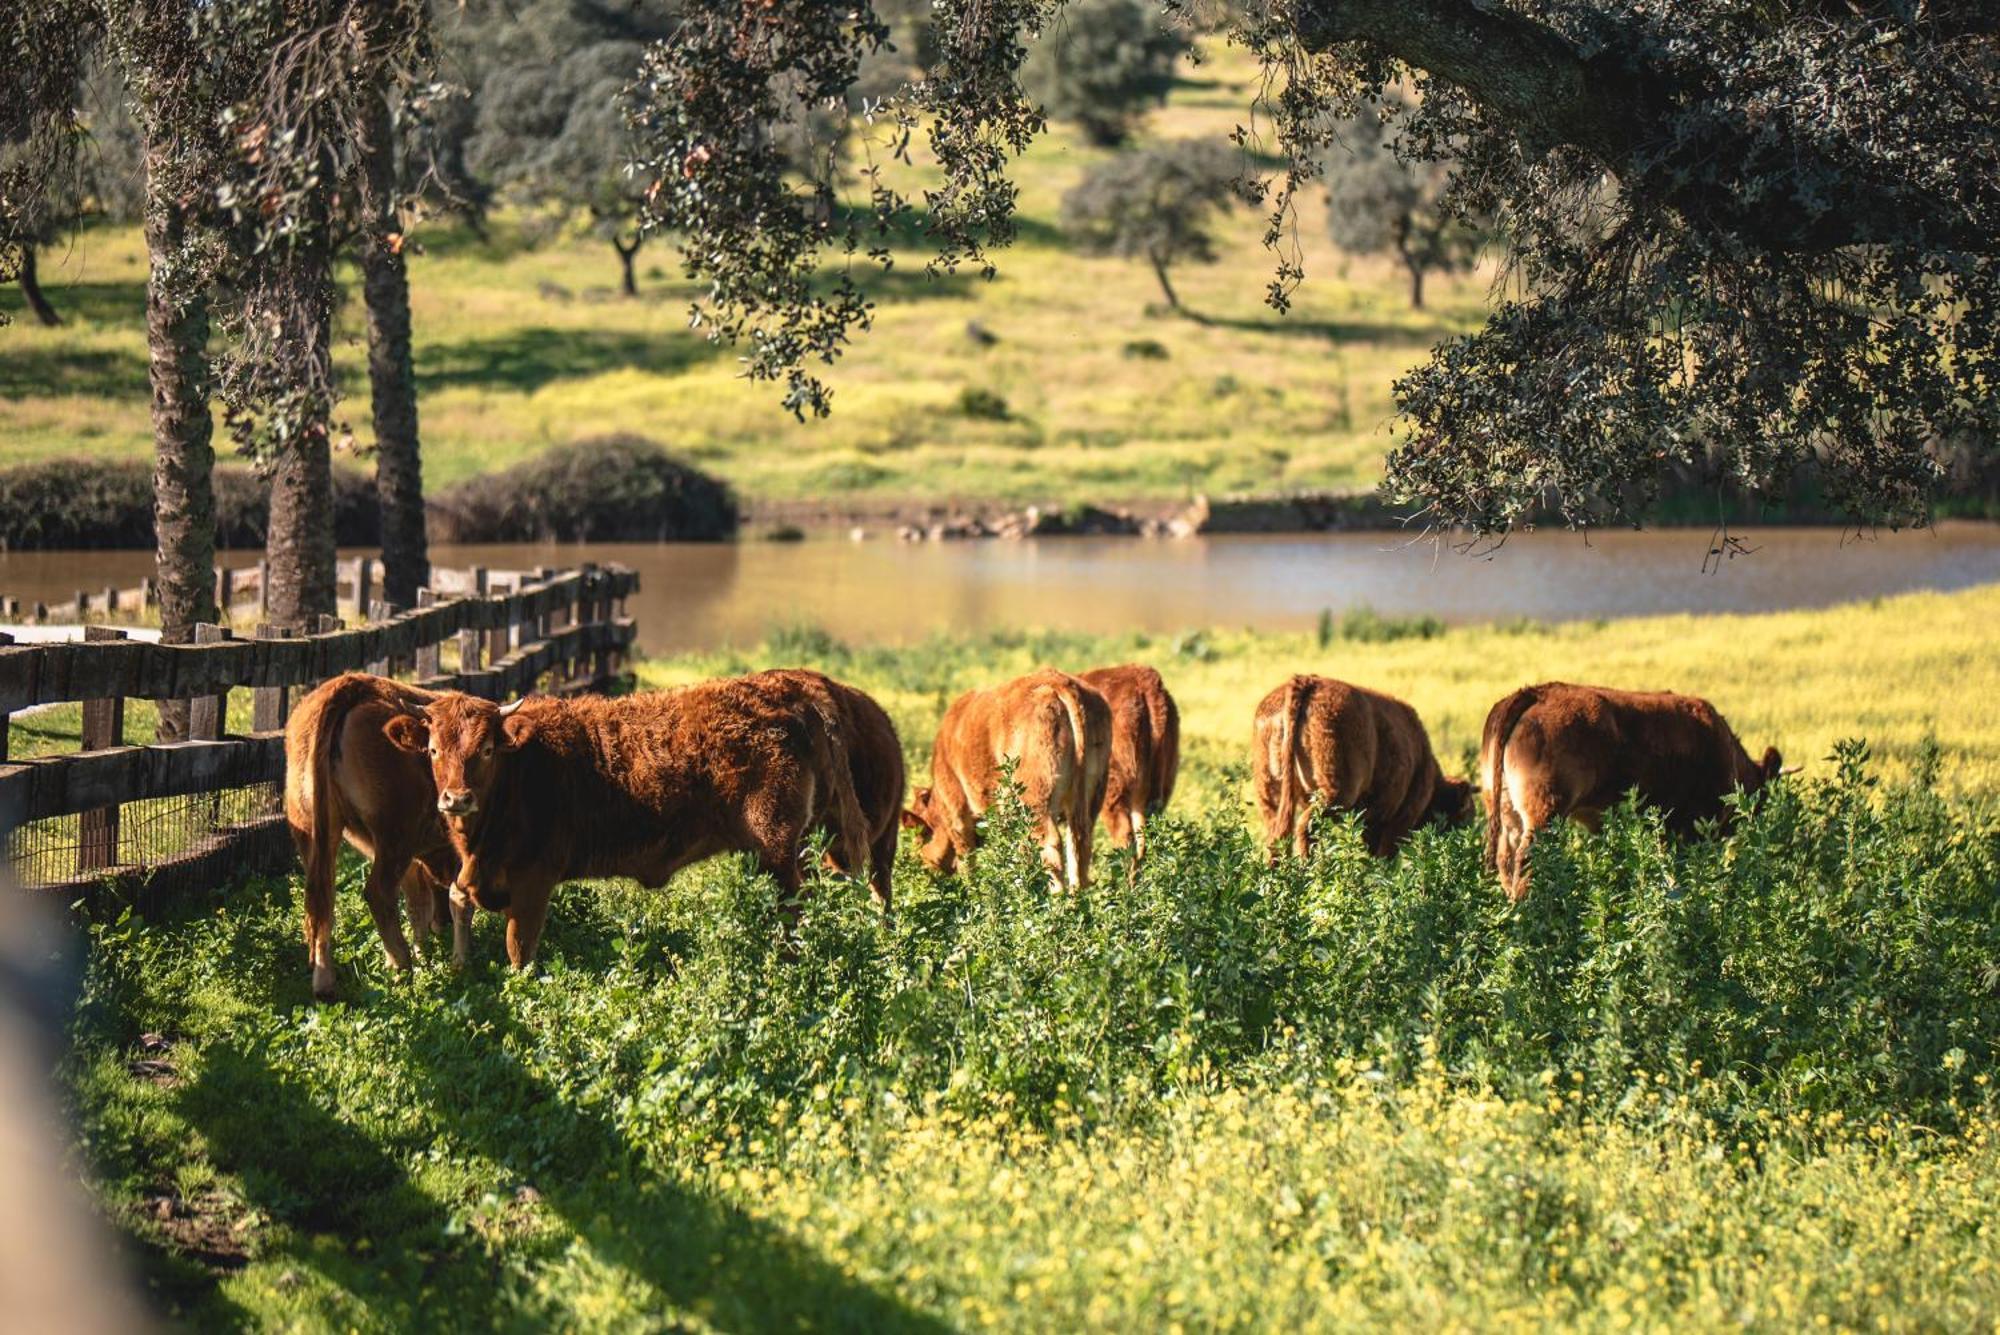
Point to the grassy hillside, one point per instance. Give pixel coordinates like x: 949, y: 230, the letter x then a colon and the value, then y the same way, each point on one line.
x: 519, y: 348
x: 1744, y: 1082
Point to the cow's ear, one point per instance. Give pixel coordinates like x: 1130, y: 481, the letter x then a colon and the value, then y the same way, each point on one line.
x: 514, y: 731
x: 406, y: 732
x: 1774, y: 764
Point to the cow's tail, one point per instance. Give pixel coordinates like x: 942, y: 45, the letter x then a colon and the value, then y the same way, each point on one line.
x: 1166, y: 752
x: 1500, y: 723
x: 1061, y: 716
x: 1283, y: 758
x: 850, y: 827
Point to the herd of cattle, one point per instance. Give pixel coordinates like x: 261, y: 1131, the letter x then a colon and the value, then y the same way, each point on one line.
x: 502, y: 803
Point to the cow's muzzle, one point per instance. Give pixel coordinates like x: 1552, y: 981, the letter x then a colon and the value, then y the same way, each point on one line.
x: 458, y: 803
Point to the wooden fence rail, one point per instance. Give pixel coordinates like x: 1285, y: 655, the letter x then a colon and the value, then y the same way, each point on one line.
x: 240, y: 594
x: 509, y: 632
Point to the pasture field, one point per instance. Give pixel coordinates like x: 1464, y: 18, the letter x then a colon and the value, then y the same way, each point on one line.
x: 521, y: 347
x: 1744, y: 1082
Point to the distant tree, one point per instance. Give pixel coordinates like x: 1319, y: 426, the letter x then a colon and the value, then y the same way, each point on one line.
x: 549, y: 126
x: 1101, y: 63
x: 1378, y: 202
x: 1157, y: 204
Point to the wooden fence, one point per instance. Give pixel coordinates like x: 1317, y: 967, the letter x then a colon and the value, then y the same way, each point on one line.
x: 241, y: 595
x: 159, y: 817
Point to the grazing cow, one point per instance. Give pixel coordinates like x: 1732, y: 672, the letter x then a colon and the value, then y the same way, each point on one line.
x: 1057, y: 731
x: 1355, y: 749
x: 544, y: 790
x: 875, y: 760
x: 344, y: 779
x: 1562, y: 750
x: 1145, y: 749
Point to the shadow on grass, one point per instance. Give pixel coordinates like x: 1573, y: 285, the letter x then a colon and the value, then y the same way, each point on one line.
x: 117, y: 303
x: 366, y: 1235
x: 27, y: 371
x: 691, y: 1248
x: 527, y: 359
x: 1334, y: 331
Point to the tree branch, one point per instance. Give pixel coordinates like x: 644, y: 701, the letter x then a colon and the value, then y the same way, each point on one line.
x: 1527, y: 75
x: 1535, y: 83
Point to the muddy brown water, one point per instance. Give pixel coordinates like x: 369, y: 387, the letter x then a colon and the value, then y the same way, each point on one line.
x: 702, y: 596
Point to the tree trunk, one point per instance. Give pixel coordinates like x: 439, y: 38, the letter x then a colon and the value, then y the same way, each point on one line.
x: 31, y: 288
x: 1160, y: 272
x: 399, y: 482
x: 183, y: 445
x: 626, y: 254
x: 1404, y: 226
x: 298, y: 546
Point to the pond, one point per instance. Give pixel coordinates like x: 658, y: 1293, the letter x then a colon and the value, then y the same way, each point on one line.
x: 881, y: 590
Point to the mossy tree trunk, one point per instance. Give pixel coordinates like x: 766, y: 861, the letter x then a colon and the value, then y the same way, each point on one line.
x: 175, y: 117
x: 298, y: 549
x: 399, y: 483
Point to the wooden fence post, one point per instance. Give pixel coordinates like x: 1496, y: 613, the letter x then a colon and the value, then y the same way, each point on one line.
x: 208, y: 715
x: 427, y: 652
x: 364, y: 588
x: 497, y: 637
x: 5, y: 640
x: 270, y: 706
x: 263, y: 593
x: 377, y: 611
x: 103, y: 726
x: 471, y: 643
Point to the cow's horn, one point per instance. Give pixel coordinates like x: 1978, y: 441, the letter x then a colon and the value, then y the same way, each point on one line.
x: 1790, y: 769
x: 512, y: 705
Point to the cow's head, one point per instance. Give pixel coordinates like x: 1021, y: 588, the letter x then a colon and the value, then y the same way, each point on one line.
x: 1453, y: 801
x: 466, y: 740
x: 923, y: 816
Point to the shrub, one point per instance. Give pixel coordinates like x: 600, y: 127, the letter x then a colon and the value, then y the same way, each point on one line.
x: 1146, y: 350
x: 618, y: 488
x: 88, y: 503
x: 982, y: 403
x: 1364, y: 625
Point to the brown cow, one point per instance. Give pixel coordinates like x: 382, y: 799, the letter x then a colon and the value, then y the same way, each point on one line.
x: 1145, y: 749
x: 545, y: 790
x: 1357, y: 750
x: 1562, y: 750
x: 1058, y: 733
x: 343, y: 778
x: 875, y: 760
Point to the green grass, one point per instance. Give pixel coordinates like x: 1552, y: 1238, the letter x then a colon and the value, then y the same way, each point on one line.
x: 1743, y: 1082
x: 1246, y: 399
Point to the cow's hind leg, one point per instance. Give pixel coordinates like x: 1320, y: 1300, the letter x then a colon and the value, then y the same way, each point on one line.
x: 882, y: 868
x: 385, y: 875
x: 319, y: 919
x: 427, y: 905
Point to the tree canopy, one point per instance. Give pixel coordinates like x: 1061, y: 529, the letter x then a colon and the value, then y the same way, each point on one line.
x: 1744, y: 235
x: 1156, y: 203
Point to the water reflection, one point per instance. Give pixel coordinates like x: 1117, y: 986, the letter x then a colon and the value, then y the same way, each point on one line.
x: 701, y: 596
